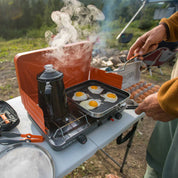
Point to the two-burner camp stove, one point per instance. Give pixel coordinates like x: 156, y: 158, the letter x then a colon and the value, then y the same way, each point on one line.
x: 78, y: 74
x: 81, y: 121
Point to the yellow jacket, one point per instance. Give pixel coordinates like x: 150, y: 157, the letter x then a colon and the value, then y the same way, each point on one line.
x: 172, y: 23
x: 168, y: 97
x: 168, y: 93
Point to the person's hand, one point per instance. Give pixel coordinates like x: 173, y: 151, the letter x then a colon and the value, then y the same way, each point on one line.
x: 148, y: 42
x: 151, y: 107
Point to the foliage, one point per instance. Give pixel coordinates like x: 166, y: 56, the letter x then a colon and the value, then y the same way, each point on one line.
x: 146, y: 20
x: 38, y: 33
x: 18, y: 16
x: 31, y: 18
x: 8, y: 49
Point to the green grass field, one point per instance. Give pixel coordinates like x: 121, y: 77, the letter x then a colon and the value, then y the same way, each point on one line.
x: 8, y: 49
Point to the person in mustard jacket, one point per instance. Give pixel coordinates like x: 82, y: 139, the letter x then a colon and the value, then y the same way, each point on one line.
x: 162, y: 150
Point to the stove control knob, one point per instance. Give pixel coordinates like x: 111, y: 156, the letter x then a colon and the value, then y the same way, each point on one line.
x: 82, y: 139
x: 118, y: 115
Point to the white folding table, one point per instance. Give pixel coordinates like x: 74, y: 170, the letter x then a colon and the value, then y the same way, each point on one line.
x: 73, y: 156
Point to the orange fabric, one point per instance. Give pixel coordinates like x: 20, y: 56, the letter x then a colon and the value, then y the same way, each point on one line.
x: 168, y: 97
x: 172, y: 23
x: 168, y: 93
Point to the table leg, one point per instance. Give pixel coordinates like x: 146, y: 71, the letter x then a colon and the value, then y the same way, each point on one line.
x: 121, y: 140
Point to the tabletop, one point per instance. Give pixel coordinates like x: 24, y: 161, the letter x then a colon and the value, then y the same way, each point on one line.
x: 73, y: 156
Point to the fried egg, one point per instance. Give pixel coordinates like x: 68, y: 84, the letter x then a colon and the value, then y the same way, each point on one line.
x: 79, y: 96
x: 95, y: 89
x: 90, y: 104
x: 110, y: 97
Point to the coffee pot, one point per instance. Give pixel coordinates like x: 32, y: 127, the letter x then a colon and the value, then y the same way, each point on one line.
x: 51, y: 96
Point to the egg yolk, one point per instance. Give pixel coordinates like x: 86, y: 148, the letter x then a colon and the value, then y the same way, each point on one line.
x: 93, y: 103
x: 111, y: 95
x: 78, y: 94
x: 94, y: 87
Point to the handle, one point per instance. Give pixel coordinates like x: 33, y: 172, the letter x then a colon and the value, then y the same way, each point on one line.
x: 8, y: 134
x: 9, y: 141
x: 132, y: 107
x: 3, y: 116
x: 82, y: 139
x: 48, y: 88
x: 48, y: 98
x: 121, y: 139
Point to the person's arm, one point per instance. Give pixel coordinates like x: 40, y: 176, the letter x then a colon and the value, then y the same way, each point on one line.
x: 162, y: 106
x: 168, y: 97
x: 171, y: 25
x: 149, y: 41
x: 152, y: 108
x: 167, y: 30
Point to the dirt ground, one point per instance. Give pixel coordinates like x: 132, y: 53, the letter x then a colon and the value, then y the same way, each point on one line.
x: 100, y: 165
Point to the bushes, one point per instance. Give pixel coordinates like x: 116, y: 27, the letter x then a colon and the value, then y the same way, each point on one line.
x: 145, y: 24
x: 8, y: 34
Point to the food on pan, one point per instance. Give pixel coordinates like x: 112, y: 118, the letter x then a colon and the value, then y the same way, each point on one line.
x: 139, y: 100
x: 90, y: 104
x: 110, y: 97
x: 143, y: 96
x: 79, y: 96
x: 95, y: 89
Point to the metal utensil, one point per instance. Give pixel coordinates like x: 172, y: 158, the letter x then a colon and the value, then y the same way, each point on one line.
x: 26, y: 160
x: 26, y: 138
x: 122, y: 68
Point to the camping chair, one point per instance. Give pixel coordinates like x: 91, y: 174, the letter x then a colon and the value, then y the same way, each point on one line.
x: 158, y: 57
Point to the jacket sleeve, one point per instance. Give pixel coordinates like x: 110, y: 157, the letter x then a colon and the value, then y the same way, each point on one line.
x: 172, y: 24
x: 168, y: 97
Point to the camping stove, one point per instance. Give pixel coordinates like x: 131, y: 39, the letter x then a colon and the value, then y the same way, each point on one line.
x: 77, y: 125
x: 76, y: 69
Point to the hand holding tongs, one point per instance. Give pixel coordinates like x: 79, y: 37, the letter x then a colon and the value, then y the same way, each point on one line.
x: 123, y: 67
x: 26, y: 138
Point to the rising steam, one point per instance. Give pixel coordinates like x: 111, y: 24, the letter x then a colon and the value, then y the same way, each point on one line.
x: 74, y: 23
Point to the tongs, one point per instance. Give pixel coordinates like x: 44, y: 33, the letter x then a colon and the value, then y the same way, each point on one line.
x: 122, y: 68
x: 25, y: 138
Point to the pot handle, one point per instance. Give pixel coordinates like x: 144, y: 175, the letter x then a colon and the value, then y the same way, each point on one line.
x: 130, y: 134
x: 47, y: 93
x: 132, y: 107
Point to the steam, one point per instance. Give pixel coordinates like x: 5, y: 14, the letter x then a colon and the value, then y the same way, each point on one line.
x: 74, y: 23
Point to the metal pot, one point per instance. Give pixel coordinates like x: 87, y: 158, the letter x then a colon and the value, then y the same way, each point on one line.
x: 51, y: 95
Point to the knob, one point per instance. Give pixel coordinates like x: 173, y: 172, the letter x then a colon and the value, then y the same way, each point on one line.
x: 82, y: 139
x: 118, y: 115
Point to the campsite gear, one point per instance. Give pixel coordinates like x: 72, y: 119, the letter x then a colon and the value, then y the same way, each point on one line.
x: 25, y: 138
x: 131, y: 20
x: 76, y: 68
x: 158, y: 57
x: 122, y: 68
x: 125, y: 38
x: 8, y: 117
x: 106, y: 107
x: 26, y: 160
x: 51, y: 95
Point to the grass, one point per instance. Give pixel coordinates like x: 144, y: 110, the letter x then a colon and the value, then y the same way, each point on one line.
x: 8, y: 49
x: 34, y: 39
